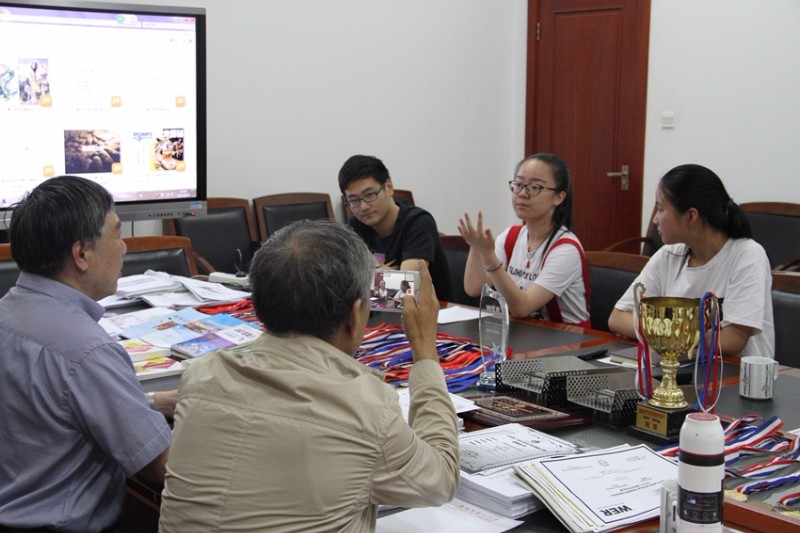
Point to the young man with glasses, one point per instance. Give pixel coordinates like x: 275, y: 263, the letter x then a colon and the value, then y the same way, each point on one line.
x: 398, y: 235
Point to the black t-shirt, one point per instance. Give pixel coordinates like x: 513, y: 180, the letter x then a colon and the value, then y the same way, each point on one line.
x: 415, y: 236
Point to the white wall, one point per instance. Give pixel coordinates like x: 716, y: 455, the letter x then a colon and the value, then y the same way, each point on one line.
x: 730, y: 71
x: 436, y: 88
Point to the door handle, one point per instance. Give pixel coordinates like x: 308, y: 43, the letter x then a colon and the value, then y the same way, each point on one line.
x: 625, y: 182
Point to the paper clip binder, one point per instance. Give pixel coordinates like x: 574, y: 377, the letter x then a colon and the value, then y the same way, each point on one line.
x: 609, y: 398
x: 543, y: 380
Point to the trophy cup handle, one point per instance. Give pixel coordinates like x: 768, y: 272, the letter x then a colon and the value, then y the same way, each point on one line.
x: 638, y: 291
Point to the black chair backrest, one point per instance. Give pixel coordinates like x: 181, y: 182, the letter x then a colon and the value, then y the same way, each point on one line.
x: 646, y: 245
x: 9, y: 271
x: 169, y: 254
x: 653, y: 241
x: 222, y: 238
x: 786, y: 314
x: 278, y: 216
x: 610, y: 275
x: 276, y: 211
x: 170, y: 261
x: 776, y: 227
x: 456, y: 249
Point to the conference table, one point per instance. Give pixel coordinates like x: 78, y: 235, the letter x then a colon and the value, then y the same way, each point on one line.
x: 537, y: 338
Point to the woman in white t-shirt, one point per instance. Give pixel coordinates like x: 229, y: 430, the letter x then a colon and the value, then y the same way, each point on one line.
x: 539, y: 266
x: 708, y: 247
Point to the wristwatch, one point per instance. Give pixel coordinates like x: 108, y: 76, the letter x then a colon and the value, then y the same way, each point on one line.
x: 151, y: 399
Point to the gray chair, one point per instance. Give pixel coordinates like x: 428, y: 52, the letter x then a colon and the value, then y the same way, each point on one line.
x: 9, y: 271
x: 610, y: 275
x: 786, y: 312
x: 646, y: 245
x: 456, y: 249
x: 776, y: 226
x: 166, y: 253
x: 275, y: 211
x: 224, y: 239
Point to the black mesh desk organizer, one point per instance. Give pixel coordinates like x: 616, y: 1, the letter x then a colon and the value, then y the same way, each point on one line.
x: 608, y: 398
x: 605, y: 394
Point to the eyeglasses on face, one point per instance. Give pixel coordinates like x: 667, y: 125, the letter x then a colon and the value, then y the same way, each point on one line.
x: 532, y: 189
x: 368, y: 198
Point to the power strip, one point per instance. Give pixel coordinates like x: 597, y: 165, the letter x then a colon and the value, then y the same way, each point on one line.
x: 230, y: 279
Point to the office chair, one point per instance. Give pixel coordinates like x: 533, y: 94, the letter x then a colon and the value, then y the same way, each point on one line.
x: 401, y: 196
x: 275, y: 211
x: 163, y: 253
x: 9, y: 271
x: 645, y: 245
x: 610, y: 275
x: 776, y: 227
x: 786, y: 314
x: 224, y: 240
x: 456, y: 249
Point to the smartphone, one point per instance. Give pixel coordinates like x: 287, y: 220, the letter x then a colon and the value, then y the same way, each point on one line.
x: 390, y: 286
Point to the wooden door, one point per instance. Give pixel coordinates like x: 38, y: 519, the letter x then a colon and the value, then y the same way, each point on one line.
x: 586, y: 98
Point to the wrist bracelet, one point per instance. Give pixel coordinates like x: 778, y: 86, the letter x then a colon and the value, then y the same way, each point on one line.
x: 151, y: 399
x: 494, y: 266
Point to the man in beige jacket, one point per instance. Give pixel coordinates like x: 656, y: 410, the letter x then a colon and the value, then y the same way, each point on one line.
x: 296, y: 435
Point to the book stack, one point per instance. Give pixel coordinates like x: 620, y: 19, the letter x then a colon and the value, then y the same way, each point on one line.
x: 231, y: 337
x: 157, y: 367
x: 487, y: 460
x: 155, y: 345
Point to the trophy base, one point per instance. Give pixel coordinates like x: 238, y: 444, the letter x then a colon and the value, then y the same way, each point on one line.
x: 487, y: 382
x: 657, y: 424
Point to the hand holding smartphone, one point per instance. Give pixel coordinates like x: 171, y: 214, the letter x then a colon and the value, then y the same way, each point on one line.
x: 390, y: 286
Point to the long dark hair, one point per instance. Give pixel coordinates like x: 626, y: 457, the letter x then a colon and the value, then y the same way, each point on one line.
x: 688, y: 186
x: 562, y: 215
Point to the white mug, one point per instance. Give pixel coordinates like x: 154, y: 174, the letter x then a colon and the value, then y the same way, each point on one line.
x: 756, y: 377
x: 669, y: 506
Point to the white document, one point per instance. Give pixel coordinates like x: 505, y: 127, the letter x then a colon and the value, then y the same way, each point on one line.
x: 461, y: 405
x: 211, y: 292
x: 116, y: 324
x: 505, y: 445
x: 173, y: 299
x: 454, y: 516
x: 499, y: 491
x: 602, y: 490
x: 150, y: 281
x: 456, y: 313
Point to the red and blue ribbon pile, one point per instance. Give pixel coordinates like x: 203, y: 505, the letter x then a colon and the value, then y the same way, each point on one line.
x: 385, y: 347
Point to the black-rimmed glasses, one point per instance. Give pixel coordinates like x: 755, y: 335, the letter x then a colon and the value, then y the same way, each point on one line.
x: 368, y: 198
x: 533, y: 189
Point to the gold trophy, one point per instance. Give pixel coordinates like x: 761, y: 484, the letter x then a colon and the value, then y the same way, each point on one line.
x: 670, y: 327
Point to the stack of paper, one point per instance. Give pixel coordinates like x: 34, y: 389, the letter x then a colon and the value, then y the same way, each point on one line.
x: 139, y: 284
x: 498, y: 492
x: 139, y: 350
x: 603, y: 490
x: 158, y: 367
x: 160, y: 289
x: 455, y: 515
x: 487, y: 459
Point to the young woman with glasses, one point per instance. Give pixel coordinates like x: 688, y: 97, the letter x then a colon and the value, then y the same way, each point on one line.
x: 538, y: 266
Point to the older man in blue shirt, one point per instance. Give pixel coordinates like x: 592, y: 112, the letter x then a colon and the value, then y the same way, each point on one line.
x: 74, y: 420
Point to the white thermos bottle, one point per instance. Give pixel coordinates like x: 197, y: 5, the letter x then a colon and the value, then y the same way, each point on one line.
x: 701, y: 470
